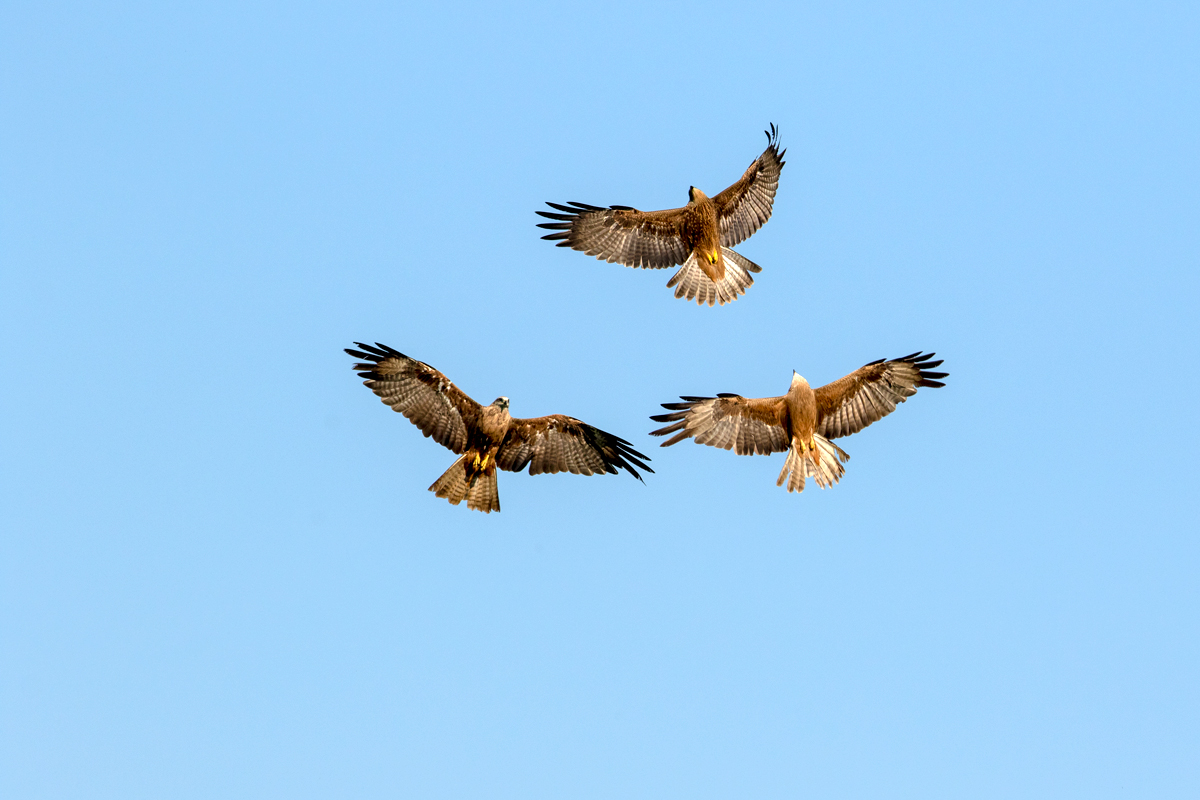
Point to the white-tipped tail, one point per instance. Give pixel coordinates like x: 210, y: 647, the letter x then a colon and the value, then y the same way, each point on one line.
x: 691, y: 282
x: 823, y: 462
x: 478, y: 489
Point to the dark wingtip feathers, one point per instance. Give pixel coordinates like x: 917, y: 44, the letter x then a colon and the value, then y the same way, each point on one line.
x: 371, y: 356
x: 924, y: 362
x: 773, y: 143
x: 572, y: 211
x: 619, y: 453
x: 678, y: 419
x: 377, y: 353
x: 625, y: 457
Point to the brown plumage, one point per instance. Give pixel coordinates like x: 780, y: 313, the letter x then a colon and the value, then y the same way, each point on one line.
x: 486, y: 437
x: 803, y: 421
x: 699, y: 236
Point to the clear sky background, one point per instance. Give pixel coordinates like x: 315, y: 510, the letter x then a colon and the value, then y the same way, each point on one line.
x: 221, y: 574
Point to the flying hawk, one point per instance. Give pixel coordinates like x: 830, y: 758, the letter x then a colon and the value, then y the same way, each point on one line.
x: 698, y: 236
x: 803, y: 421
x: 486, y: 437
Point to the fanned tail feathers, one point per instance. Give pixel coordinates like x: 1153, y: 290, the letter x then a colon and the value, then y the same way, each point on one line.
x: 478, y: 489
x: 825, y: 470
x: 690, y: 281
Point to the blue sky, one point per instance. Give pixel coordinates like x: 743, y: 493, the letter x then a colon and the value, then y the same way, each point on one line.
x: 222, y: 574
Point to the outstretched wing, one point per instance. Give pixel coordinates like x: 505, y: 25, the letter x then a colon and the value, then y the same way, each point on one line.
x: 418, y: 391
x: 650, y: 239
x: 559, y: 443
x: 746, y: 206
x: 750, y: 426
x: 868, y: 394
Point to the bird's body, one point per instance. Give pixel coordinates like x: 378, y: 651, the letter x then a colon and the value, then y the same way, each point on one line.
x: 473, y: 476
x: 487, y: 437
x: 698, y: 236
x: 803, y: 421
x: 809, y: 453
x: 701, y: 234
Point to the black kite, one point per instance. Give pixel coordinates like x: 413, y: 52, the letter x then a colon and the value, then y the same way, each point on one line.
x: 803, y: 421
x: 698, y: 236
x: 486, y: 437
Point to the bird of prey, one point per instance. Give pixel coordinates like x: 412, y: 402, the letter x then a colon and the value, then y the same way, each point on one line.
x: 803, y: 421
x: 698, y: 236
x: 486, y: 437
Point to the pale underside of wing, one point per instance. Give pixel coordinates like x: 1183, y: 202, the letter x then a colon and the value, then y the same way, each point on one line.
x: 418, y: 391
x: 559, y: 443
x: 748, y: 426
x: 869, y: 394
x: 648, y: 239
x: 746, y: 206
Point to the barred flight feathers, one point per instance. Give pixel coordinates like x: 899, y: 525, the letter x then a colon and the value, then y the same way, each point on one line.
x: 650, y: 240
x: 418, y: 391
x: 559, y: 443
x: 872, y: 392
x: 746, y: 206
x: 748, y: 426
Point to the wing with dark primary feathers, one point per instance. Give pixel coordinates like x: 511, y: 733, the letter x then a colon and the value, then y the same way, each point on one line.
x: 559, y: 443
x: 650, y: 239
x: 750, y: 426
x: 869, y: 394
x: 746, y: 206
x: 418, y: 391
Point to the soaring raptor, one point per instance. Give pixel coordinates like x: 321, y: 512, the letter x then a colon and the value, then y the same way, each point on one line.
x: 698, y: 236
x: 803, y: 421
x: 486, y: 437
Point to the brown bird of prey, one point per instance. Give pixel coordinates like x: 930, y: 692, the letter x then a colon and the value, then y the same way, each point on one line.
x: 803, y: 421
x: 486, y: 437
x: 698, y: 236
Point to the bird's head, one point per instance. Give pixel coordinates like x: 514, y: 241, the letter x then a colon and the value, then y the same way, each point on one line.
x: 695, y: 195
x: 798, y: 379
x: 501, y: 403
